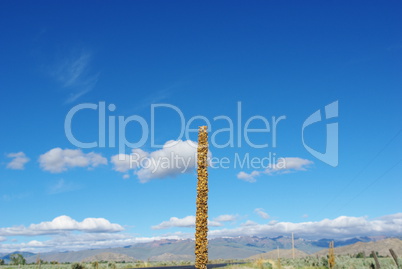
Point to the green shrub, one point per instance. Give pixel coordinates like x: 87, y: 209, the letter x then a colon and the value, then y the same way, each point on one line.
x: 111, y: 265
x: 77, y: 265
x: 95, y: 265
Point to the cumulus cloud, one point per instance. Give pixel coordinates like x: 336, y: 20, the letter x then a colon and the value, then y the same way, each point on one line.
x: 187, y: 222
x: 62, y: 224
x: 2, y: 239
x: 124, y: 162
x: 282, y: 166
x: 261, y: 212
x: 175, y: 157
x: 58, y: 160
x: 288, y: 164
x: 341, y: 227
x: 248, y: 177
x: 18, y: 161
x: 226, y: 218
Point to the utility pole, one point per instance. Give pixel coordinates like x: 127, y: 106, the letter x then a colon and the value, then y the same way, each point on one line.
x: 293, y: 246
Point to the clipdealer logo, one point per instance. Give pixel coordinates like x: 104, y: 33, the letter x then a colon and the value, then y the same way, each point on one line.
x: 330, y: 156
x: 237, y: 132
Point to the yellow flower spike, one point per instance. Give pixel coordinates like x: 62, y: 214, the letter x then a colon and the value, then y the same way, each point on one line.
x: 201, y: 222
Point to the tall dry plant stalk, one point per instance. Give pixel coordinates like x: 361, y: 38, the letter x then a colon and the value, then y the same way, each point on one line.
x: 331, y: 256
x: 201, y: 222
x: 38, y: 261
x: 278, y: 264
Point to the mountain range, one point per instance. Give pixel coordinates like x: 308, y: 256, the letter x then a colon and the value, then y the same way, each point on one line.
x: 219, y: 248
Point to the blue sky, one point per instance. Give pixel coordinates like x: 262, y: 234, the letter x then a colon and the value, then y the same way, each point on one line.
x: 205, y: 59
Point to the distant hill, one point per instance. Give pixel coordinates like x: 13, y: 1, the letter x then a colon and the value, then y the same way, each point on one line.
x: 382, y: 246
x: 283, y: 253
x: 109, y: 256
x: 26, y: 255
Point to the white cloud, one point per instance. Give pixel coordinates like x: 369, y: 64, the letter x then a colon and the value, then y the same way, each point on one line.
x: 341, y: 227
x: 289, y: 164
x: 225, y: 218
x: 15, y: 196
x: 74, y: 75
x: 18, y: 162
x: 187, y: 222
x: 175, y: 158
x: 2, y: 239
x: 282, y: 166
x: 62, y: 224
x: 393, y: 217
x: 73, y: 242
x: 261, y: 212
x: 58, y: 160
x: 63, y: 186
x: 249, y: 223
x: 248, y: 177
x: 124, y: 162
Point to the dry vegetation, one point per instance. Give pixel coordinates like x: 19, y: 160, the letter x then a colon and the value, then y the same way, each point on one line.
x: 201, y: 226
x: 341, y: 262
